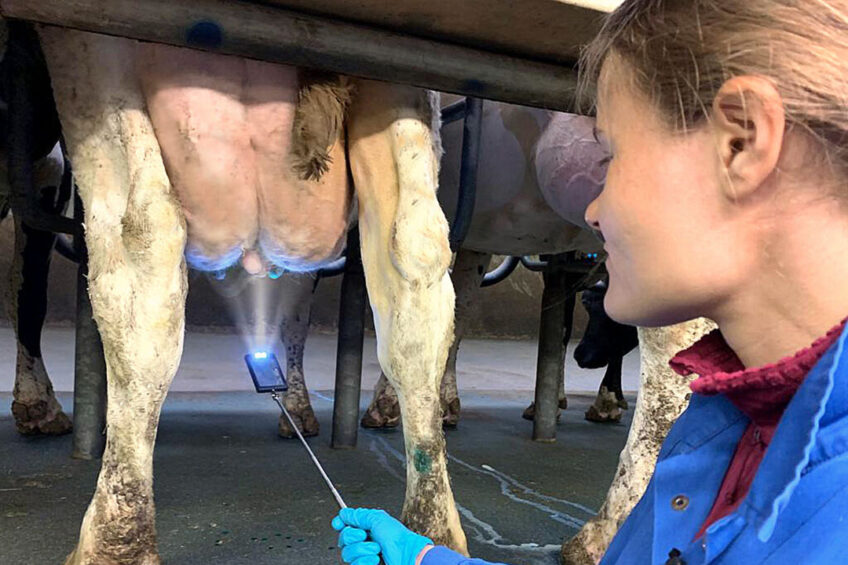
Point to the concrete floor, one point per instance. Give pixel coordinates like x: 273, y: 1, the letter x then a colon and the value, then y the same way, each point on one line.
x: 228, y: 490
x: 213, y: 362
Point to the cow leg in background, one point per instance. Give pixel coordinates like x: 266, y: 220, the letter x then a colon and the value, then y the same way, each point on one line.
x: 663, y: 395
x: 135, y: 235
x: 394, y: 158
x: 469, y: 268
x: 605, y: 343
x: 384, y: 410
x: 612, y: 379
x: 296, y: 302
x: 606, y: 407
x: 35, y: 407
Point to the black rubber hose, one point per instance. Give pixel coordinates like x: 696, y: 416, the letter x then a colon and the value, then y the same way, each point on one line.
x: 467, y: 172
x: 501, y: 272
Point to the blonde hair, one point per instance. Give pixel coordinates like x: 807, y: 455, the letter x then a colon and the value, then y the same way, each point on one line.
x: 680, y: 52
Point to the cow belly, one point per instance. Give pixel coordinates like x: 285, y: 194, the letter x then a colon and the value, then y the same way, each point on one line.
x: 224, y: 126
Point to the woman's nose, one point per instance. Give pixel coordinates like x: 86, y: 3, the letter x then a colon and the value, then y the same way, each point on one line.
x: 591, y: 218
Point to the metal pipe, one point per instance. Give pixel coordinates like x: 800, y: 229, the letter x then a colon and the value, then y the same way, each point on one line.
x: 551, y: 353
x: 333, y: 489
x: 271, y: 33
x: 501, y: 272
x: 89, y: 365
x: 453, y: 113
x: 349, y: 350
x: 533, y: 265
x: 467, y: 172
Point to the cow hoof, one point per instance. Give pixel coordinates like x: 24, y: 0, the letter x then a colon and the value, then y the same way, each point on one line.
x: 623, y: 404
x: 40, y: 418
x: 605, y: 408
x: 76, y: 558
x: 593, y: 414
x: 530, y: 412
x: 450, y: 413
x: 305, y: 421
x: 375, y: 418
x: 384, y: 412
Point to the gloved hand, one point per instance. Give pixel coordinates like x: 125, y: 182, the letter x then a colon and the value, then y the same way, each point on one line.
x: 398, y: 545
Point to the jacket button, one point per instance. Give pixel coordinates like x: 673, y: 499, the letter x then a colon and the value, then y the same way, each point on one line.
x: 679, y: 502
x: 674, y: 558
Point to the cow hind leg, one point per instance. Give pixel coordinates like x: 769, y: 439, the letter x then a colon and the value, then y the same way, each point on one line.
x: 405, y: 252
x: 384, y: 410
x: 35, y: 407
x: 469, y: 268
x: 135, y: 235
x: 296, y: 302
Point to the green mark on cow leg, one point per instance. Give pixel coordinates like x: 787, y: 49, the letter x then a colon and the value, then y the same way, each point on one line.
x: 423, y: 462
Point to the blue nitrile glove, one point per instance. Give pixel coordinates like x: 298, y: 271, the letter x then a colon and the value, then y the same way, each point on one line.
x: 388, y: 537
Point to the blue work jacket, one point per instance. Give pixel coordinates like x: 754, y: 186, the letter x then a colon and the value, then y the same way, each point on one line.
x: 796, y: 511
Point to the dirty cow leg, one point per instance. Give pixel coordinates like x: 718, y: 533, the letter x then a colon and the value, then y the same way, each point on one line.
x: 296, y: 298
x: 467, y: 274
x: 663, y: 395
x: 469, y: 268
x: 394, y: 158
x: 35, y: 407
x: 137, y: 278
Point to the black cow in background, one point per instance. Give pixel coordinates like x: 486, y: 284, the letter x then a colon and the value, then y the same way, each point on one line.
x: 604, y: 344
x: 34, y: 407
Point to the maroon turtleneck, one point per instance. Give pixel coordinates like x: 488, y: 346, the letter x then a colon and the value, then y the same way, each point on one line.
x: 761, y: 393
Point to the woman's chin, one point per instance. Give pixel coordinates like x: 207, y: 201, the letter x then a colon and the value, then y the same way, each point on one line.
x: 618, y: 309
x: 639, y: 313
x: 633, y: 311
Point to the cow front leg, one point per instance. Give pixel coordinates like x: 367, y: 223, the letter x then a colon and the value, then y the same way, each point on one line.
x: 35, y: 407
x: 135, y: 235
x: 296, y: 302
x: 606, y: 407
x: 394, y: 158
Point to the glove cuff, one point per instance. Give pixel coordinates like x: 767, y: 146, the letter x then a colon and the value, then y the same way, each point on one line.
x: 414, y: 546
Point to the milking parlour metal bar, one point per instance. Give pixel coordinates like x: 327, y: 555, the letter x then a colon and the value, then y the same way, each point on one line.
x: 280, y: 35
x: 348, y: 384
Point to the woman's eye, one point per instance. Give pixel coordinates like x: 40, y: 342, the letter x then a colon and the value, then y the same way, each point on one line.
x: 605, y: 161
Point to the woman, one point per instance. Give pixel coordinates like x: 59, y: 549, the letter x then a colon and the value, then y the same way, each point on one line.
x: 726, y: 197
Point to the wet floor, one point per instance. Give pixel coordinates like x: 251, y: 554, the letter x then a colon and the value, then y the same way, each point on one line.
x: 229, y: 491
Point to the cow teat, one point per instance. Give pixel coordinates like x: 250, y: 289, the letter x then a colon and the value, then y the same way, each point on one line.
x: 253, y: 263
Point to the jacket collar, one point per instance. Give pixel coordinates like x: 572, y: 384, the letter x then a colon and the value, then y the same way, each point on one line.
x: 821, y: 400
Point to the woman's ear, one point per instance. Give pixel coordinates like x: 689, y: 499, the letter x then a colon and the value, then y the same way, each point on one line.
x: 748, y: 123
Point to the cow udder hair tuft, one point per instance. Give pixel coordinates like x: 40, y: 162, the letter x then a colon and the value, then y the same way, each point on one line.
x: 318, y: 121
